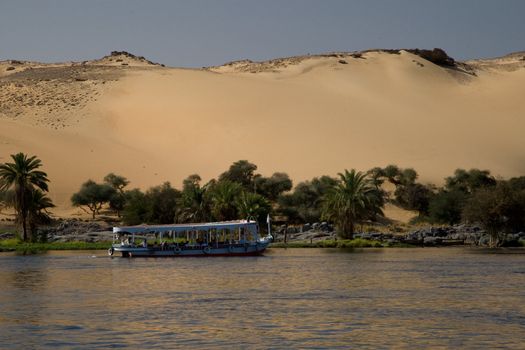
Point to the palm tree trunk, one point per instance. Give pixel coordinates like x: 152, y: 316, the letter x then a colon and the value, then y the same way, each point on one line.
x: 24, y: 227
x: 351, y: 230
x: 23, y: 211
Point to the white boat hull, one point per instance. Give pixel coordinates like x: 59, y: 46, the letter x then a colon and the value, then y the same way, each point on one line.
x: 248, y: 249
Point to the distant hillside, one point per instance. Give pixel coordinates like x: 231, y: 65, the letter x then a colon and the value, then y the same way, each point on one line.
x: 307, y: 116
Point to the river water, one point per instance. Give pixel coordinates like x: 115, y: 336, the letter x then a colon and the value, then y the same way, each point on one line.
x: 293, y: 298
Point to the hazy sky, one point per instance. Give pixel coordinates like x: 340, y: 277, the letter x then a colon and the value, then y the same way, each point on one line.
x: 196, y: 33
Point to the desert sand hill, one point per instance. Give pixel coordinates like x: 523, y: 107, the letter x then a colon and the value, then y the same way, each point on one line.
x: 307, y: 116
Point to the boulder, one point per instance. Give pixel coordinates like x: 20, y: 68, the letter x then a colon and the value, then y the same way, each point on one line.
x: 432, y: 240
x: 484, y: 240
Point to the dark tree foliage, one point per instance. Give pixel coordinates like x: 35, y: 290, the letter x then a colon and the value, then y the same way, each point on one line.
x: 272, y: 187
x: 93, y: 196
x: 498, y: 209
x: 396, y: 175
x: 469, y: 181
x: 304, y: 204
x: 135, y: 210
x: 117, y: 202
x: 157, y: 206
x: 446, y: 207
x: 377, y: 176
x: 414, y: 196
x: 116, y: 181
x: 517, y: 183
x: 191, y: 182
x: 408, y: 194
x: 161, y: 204
x: 242, y: 172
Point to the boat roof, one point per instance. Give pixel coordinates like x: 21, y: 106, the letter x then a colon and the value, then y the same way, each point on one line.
x: 187, y: 227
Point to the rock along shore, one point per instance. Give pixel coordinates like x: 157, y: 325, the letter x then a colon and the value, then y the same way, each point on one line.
x: 470, y: 235
x: 74, y: 230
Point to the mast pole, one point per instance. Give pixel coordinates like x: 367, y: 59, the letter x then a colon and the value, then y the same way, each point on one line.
x: 269, y: 226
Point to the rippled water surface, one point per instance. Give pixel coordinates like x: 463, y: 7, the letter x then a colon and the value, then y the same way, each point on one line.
x: 295, y: 298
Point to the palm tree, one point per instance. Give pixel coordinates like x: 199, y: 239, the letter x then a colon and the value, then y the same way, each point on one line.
x: 353, y: 199
x: 194, y: 205
x: 252, y: 205
x: 223, y: 195
x: 22, y: 177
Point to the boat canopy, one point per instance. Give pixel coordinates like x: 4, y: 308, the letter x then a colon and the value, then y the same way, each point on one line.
x: 224, y: 225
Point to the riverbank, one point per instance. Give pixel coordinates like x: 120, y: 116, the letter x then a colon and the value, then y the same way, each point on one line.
x: 344, y: 243
x: 15, y: 245
x: 75, y: 234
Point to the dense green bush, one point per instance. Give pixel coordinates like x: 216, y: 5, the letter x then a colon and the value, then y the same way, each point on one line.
x: 157, y: 206
x: 135, y: 208
x: 304, y: 204
x: 499, y: 209
x: 446, y: 207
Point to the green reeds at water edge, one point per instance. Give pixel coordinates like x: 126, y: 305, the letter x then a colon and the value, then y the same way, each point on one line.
x: 15, y: 245
x: 348, y: 243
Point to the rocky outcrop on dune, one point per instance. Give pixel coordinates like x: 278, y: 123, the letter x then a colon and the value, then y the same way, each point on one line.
x: 435, y: 56
x: 122, y: 58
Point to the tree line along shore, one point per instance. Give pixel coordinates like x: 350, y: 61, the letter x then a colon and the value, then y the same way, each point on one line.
x: 351, y: 203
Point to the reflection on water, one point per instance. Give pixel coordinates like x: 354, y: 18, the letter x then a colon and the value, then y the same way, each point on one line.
x: 295, y: 298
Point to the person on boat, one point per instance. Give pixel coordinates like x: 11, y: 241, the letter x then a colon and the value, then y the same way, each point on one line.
x: 145, y: 243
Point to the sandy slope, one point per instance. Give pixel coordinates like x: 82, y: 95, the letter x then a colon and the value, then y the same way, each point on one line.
x: 306, y: 116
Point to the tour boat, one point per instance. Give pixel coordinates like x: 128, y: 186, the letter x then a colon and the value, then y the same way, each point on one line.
x: 227, y: 238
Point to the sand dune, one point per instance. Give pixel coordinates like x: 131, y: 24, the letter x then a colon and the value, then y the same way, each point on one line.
x: 306, y: 116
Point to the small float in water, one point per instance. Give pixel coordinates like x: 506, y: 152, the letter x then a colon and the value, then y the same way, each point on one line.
x: 227, y: 238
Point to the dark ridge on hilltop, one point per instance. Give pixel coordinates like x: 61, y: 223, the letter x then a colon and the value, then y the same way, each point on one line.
x: 132, y: 56
x: 436, y: 56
